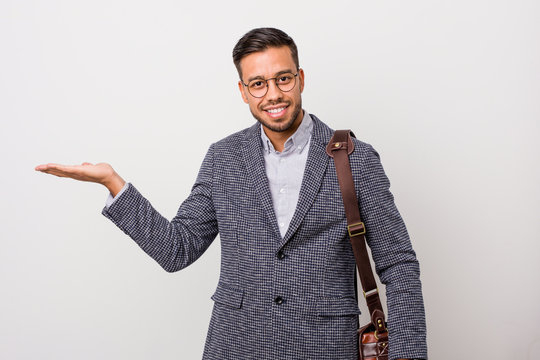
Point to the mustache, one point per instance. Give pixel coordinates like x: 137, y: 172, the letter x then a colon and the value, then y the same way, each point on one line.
x: 275, y: 102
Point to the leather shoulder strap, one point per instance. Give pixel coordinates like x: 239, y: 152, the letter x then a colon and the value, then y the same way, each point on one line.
x: 339, y: 148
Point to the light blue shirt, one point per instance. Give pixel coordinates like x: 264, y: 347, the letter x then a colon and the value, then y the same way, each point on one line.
x: 284, y: 170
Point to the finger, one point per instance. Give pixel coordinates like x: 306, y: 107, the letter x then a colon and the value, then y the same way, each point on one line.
x: 65, y: 168
x: 61, y: 170
x: 56, y: 167
x: 74, y: 174
x: 43, y: 167
x: 48, y: 166
x: 86, y: 163
x: 55, y: 172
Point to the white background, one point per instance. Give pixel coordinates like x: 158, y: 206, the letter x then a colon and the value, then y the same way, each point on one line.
x: 448, y: 92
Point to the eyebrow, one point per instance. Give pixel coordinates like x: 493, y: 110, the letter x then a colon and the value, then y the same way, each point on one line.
x: 275, y: 75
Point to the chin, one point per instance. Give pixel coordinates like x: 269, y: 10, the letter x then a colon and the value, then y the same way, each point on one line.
x: 278, y: 125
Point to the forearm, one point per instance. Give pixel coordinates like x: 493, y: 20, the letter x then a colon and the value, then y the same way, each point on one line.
x: 172, y: 244
x: 406, y: 313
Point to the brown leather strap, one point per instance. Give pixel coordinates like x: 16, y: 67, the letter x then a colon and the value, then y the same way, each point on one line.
x: 339, y: 148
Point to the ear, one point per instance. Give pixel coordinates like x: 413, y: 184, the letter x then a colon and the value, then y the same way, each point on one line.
x: 301, y: 77
x: 242, y: 91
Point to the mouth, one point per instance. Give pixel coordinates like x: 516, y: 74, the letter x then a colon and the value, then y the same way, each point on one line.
x: 276, y: 111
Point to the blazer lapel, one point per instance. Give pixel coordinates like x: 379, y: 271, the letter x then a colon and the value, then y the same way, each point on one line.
x: 316, y: 164
x: 254, y: 160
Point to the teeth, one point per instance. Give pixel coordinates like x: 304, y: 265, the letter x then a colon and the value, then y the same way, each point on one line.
x: 275, y: 111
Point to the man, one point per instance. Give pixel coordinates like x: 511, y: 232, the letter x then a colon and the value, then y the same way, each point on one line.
x: 286, y: 287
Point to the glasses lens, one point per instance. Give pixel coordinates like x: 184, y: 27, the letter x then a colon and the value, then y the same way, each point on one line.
x: 257, y: 87
x: 286, y: 82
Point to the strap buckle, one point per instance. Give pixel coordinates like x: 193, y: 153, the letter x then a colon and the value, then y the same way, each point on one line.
x: 356, y: 229
x: 371, y: 292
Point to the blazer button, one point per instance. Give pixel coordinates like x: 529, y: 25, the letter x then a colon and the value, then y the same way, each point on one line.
x: 279, y: 300
x: 280, y: 255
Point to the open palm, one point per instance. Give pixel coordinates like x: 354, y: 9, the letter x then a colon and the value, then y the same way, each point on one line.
x: 98, y: 173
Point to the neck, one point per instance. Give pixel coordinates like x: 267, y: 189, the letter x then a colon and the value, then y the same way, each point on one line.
x: 278, y: 138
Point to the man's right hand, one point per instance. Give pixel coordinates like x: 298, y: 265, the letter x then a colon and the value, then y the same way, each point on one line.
x: 101, y: 173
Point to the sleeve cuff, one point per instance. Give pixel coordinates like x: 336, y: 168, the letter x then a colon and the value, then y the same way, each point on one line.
x: 111, y: 199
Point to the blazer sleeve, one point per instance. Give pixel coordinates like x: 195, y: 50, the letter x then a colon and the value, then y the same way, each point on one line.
x: 172, y: 244
x: 395, y: 261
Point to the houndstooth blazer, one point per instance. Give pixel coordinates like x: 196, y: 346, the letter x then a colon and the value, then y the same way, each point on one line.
x: 291, y: 297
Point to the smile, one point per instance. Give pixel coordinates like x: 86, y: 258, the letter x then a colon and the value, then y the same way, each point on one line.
x: 276, y: 112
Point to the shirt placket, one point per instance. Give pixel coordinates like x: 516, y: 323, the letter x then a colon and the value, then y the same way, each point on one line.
x: 283, y: 181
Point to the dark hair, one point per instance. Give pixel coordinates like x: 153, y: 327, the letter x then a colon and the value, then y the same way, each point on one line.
x: 261, y: 39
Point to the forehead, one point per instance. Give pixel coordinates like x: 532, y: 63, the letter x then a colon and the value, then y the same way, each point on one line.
x: 267, y: 63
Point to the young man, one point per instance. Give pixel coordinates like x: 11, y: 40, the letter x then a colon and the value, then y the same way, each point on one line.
x: 286, y: 288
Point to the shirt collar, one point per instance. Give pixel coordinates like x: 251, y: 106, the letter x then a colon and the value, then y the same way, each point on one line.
x: 298, y: 140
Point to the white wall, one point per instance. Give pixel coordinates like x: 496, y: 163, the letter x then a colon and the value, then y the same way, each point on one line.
x: 448, y: 92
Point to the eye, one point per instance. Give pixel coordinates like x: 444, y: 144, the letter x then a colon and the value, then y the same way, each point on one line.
x: 285, y: 79
x: 257, y: 84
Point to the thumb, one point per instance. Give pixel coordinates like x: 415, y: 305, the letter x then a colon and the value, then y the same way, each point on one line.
x: 86, y: 163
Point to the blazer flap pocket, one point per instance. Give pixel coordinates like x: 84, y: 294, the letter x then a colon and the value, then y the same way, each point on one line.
x: 337, y: 306
x: 228, y: 295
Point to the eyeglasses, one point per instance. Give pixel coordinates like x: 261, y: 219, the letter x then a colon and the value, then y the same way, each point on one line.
x: 259, y: 87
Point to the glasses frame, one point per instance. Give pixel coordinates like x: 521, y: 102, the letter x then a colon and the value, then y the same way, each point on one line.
x: 266, y: 81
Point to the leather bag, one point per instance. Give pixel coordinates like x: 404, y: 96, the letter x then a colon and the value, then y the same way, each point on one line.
x: 373, y: 337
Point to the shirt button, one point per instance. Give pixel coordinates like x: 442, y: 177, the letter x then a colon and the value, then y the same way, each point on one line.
x: 281, y: 224
x: 279, y: 300
x: 280, y: 255
x: 282, y: 190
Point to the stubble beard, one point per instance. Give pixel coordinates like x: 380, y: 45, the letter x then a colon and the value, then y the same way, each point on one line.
x: 282, y: 126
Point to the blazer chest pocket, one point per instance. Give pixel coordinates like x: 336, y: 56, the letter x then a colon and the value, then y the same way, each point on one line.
x: 335, y: 306
x: 328, y: 206
x: 229, y: 296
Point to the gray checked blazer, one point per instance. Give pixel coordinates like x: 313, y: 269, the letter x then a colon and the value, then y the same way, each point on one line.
x: 291, y: 297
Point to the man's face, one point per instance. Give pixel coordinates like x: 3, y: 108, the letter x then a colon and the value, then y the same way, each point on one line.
x: 277, y: 111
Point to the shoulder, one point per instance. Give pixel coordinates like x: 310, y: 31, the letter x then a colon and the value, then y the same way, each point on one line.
x: 235, y: 138
x: 322, y: 134
x: 238, y: 136
x: 363, y: 151
x: 230, y: 148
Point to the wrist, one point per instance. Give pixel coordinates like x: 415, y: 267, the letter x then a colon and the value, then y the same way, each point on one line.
x: 114, y: 183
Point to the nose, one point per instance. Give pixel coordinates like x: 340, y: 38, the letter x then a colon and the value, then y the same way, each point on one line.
x: 273, y: 92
